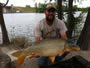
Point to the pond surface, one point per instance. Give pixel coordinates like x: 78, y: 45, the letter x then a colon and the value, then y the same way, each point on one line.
x: 21, y: 24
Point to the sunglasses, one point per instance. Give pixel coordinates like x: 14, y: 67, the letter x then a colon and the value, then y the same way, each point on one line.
x: 51, y: 11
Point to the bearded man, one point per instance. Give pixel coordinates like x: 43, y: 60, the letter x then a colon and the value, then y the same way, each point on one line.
x: 49, y: 27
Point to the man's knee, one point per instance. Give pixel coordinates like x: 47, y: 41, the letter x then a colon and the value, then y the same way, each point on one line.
x: 42, y: 61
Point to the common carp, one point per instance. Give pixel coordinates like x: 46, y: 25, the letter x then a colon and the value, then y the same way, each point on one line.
x: 46, y: 48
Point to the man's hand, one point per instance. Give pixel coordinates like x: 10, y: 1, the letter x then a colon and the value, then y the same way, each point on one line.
x: 37, y: 38
x: 64, y: 36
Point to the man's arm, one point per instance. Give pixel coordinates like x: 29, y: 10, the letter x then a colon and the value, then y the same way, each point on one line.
x: 64, y: 36
x: 37, y: 32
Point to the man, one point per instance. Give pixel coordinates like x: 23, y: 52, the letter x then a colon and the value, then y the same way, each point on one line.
x: 49, y: 27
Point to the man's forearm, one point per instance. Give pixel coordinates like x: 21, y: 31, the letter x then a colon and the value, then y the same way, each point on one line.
x: 64, y: 36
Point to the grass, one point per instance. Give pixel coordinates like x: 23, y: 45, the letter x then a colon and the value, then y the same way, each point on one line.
x: 26, y: 9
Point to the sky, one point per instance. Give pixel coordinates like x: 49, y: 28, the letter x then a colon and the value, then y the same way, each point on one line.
x: 23, y: 3
x: 85, y: 3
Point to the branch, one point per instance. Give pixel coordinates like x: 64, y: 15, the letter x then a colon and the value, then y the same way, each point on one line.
x: 6, y: 3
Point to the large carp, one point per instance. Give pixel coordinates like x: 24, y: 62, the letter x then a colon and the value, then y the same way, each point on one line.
x: 46, y: 48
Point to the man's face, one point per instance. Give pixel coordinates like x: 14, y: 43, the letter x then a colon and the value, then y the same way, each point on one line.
x: 50, y: 15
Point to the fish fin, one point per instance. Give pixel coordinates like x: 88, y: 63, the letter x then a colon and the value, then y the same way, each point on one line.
x: 31, y: 56
x: 52, y: 59
x: 16, y: 54
x: 60, y: 54
x: 21, y: 59
x: 34, y: 55
x: 62, y: 51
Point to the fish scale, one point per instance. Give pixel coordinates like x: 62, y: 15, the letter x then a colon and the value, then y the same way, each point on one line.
x: 46, y: 48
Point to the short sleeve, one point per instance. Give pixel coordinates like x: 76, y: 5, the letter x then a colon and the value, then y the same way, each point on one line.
x: 62, y: 26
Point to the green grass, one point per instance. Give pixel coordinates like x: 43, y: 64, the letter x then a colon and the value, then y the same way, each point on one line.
x: 26, y: 10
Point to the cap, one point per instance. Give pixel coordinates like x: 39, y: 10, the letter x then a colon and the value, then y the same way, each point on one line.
x: 50, y: 6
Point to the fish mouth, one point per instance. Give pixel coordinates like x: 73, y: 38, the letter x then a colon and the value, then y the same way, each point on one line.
x: 75, y: 49
x: 72, y: 49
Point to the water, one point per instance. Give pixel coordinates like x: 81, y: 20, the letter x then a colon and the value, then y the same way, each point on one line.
x: 22, y: 24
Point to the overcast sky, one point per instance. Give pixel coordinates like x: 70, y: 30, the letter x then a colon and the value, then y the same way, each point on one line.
x: 23, y: 3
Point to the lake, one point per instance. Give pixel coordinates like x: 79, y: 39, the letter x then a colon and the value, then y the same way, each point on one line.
x: 21, y: 24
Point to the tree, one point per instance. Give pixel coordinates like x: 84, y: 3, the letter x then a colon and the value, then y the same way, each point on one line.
x: 28, y: 6
x: 70, y: 24
x: 84, y: 39
x: 3, y: 27
x: 36, y: 7
x: 60, y: 13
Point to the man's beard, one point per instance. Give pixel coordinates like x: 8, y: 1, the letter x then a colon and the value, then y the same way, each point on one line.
x: 50, y: 20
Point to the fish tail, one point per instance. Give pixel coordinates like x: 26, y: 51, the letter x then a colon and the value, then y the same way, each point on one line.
x: 16, y: 54
x: 21, y: 59
x: 52, y: 59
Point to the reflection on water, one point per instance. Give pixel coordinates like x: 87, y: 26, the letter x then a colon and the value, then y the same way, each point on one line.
x: 22, y: 24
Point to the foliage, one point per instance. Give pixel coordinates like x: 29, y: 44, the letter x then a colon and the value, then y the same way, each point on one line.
x: 77, y: 25
x: 28, y: 6
x: 65, y: 9
x: 25, y: 9
x: 76, y: 22
x: 41, y: 8
x: 83, y: 9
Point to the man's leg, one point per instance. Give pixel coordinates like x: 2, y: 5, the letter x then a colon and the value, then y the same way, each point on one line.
x: 59, y: 58
x: 42, y: 61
